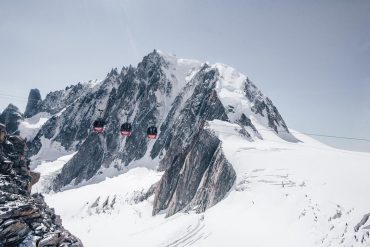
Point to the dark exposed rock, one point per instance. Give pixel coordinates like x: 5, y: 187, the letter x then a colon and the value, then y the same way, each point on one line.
x: 217, y: 181
x: 33, y: 104
x: 200, y: 177
x: 92, y: 156
x: 245, y: 121
x: 56, y: 101
x: 25, y: 220
x: 362, y: 222
x: 264, y: 107
x: 149, y: 193
x: 11, y: 117
x: 187, y: 113
x: 13, y: 232
x: 132, y: 85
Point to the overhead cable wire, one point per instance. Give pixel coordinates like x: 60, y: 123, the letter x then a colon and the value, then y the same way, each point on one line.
x: 304, y: 133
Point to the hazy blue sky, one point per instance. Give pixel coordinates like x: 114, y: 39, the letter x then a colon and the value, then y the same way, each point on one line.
x: 312, y: 58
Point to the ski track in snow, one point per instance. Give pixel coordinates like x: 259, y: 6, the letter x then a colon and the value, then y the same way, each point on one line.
x: 192, y: 235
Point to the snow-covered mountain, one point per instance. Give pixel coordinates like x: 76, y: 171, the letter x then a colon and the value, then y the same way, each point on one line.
x: 177, y: 95
x: 222, y: 146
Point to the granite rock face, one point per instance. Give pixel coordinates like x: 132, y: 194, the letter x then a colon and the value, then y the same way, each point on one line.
x: 33, y: 104
x: 11, y: 117
x: 216, y: 182
x: 144, y: 96
x: 262, y: 106
x: 63, y: 126
x: 25, y: 219
x: 198, y: 178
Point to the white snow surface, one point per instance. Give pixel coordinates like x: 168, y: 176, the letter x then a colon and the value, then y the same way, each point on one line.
x: 286, y: 194
x: 179, y: 71
x: 30, y: 126
x: 50, y: 151
x: 230, y: 90
x: 49, y: 170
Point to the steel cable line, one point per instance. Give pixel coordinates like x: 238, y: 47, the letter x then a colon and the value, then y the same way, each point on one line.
x: 19, y: 98
x: 305, y: 133
x: 310, y: 146
x: 280, y: 131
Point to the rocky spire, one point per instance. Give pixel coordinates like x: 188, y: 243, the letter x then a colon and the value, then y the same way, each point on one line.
x: 33, y: 104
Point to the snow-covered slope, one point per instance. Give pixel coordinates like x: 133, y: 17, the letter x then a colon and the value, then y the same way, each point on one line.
x: 29, y: 127
x: 285, y: 194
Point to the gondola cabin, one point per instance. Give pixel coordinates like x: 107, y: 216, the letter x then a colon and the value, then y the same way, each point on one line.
x: 126, y: 129
x: 152, y: 132
x: 98, y: 126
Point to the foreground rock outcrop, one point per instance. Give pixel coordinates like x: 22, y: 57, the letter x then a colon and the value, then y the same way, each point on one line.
x: 10, y: 117
x: 25, y: 219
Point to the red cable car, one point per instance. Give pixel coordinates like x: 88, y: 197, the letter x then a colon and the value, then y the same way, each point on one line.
x: 98, y: 126
x: 152, y: 132
x: 126, y: 129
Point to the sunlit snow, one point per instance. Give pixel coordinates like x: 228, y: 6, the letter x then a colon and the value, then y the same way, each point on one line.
x: 286, y: 194
x: 30, y: 126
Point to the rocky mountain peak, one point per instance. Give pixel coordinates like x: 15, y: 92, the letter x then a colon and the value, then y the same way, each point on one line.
x: 113, y: 72
x: 33, y: 104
